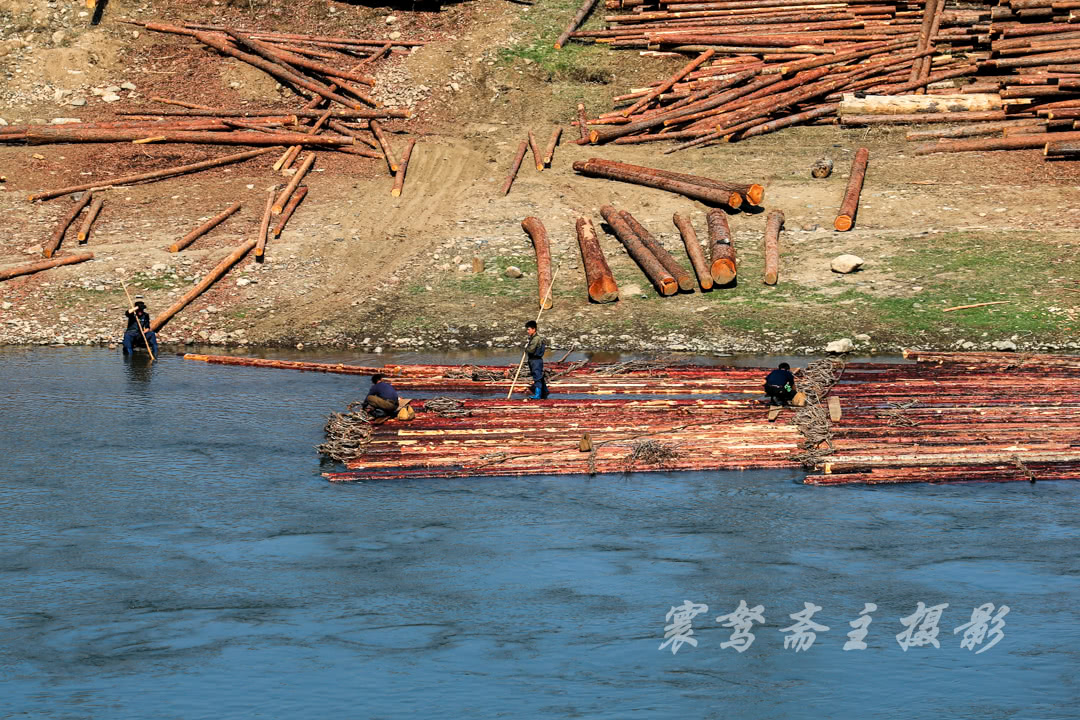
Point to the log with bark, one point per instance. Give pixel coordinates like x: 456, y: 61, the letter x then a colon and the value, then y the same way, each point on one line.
x: 601, y: 282
x: 538, y: 233
x: 31, y: 268
x: 721, y: 248
x: 845, y: 219
x: 212, y: 277
x: 65, y: 222
x: 773, y: 224
x: 682, y: 277
x: 204, y: 228
x: 519, y: 156
x: 704, y: 193
x: 91, y: 216
x: 294, y: 202
x: 656, y: 273
x: 694, y: 250
x: 402, y: 168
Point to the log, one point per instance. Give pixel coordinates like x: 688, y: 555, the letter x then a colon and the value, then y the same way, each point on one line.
x: 575, y: 22
x: 45, y: 265
x: 677, y: 271
x: 289, y: 157
x: 403, y: 166
x: 549, y: 151
x: 773, y: 224
x: 598, y: 276
x: 225, y: 112
x: 909, y: 104
x: 154, y: 175
x: 283, y: 198
x: 264, y: 227
x: 535, y: 228
x: 537, y: 157
x: 695, y: 192
x: 583, y: 129
x: 65, y: 222
x: 384, y: 146
x: 91, y: 215
x: 663, y: 281
x: 752, y: 194
x: 693, y: 250
x: 1015, y: 142
x: 180, y: 103
x: 518, y: 157
x: 991, y: 128
x: 60, y: 134
x: 203, y: 229
x: 918, y: 118
x: 294, y: 202
x: 822, y: 167
x: 213, y: 276
x: 669, y: 83
x: 721, y: 248
x: 850, y: 207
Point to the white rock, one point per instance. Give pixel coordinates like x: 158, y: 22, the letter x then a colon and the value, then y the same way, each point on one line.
x: 159, y: 267
x: 112, y: 89
x: 242, y: 282
x: 128, y: 85
x: 119, y: 270
x: 842, y: 345
x: 846, y: 263
x: 862, y: 337
x: 391, y: 19
x: 111, y: 97
x: 394, y: 35
x: 513, y: 272
x: 1003, y: 345
x: 6, y: 306
x: 77, y: 101
x: 63, y: 121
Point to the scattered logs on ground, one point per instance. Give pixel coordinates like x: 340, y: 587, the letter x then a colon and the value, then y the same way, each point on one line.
x: 695, y: 187
x: 757, y: 67
x: 65, y: 222
x: 657, y: 274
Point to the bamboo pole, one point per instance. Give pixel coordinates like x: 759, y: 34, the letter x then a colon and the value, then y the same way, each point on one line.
x: 402, y: 168
x: 65, y: 223
x: 91, y: 215
x: 264, y: 226
x: 213, y: 276
x: 138, y: 323
x: 773, y: 223
x: 203, y: 229
x: 693, y: 250
x: 44, y: 265
x: 850, y: 207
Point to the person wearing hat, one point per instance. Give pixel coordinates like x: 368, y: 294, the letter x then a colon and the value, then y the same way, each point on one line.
x: 132, y: 336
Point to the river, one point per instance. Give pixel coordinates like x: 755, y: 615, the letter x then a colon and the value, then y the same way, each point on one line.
x: 168, y: 549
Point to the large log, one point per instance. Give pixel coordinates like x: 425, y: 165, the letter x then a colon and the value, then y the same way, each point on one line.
x: 693, y: 250
x: 402, y: 168
x: 908, y: 104
x: 663, y: 281
x: 44, y: 265
x: 1015, y: 142
x: 60, y: 134
x: 264, y: 227
x: 154, y: 175
x: 301, y: 171
x: 65, y: 223
x: 721, y: 248
x: 536, y: 230
x: 91, y: 215
x: 686, y: 282
x: 294, y: 202
x: 703, y: 193
x: 850, y: 207
x: 212, y: 277
x: 203, y: 229
x: 920, y: 118
x: 575, y: 22
x: 773, y: 223
x: 752, y: 193
x: 601, y: 282
x: 519, y: 156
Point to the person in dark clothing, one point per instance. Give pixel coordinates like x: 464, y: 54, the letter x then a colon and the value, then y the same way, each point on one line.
x: 780, y: 385
x: 132, y: 336
x: 535, y: 353
x: 382, y: 399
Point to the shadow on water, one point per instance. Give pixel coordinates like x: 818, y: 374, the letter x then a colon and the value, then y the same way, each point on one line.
x: 168, y: 549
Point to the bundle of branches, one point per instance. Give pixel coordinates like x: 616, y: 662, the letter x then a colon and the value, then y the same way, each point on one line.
x: 445, y: 407
x: 650, y: 452
x: 347, y: 434
x: 812, y: 419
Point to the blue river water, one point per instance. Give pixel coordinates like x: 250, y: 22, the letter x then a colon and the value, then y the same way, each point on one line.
x: 168, y: 549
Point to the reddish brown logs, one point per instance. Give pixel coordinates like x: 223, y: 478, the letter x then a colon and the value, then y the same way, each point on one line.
x: 601, y: 282
x: 752, y: 194
x: 686, y: 282
x: 1015, y: 142
x: 693, y: 250
x: 213, y: 276
x: 44, y: 265
x: 575, y: 22
x: 644, y: 176
x: 60, y: 134
x: 65, y: 222
x: 227, y: 113
x: 669, y: 83
x: 663, y: 281
x: 549, y: 151
x: 264, y: 227
x: 850, y: 207
x: 384, y: 146
x: 283, y: 198
x: 538, y: 233
x: 538, y: 159
x: 583, y: 129
x: 91, y: 215
x: 518, y: 157
x: 155, y: 175
x: 203, y: 229
x: 773, y: 224
x: 403, y: 166
x: 721, y: 248
x: 294, y: 202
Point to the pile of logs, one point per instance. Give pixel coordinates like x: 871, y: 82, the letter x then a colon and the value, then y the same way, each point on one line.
x: 943, y: 418
x: 762, y: 65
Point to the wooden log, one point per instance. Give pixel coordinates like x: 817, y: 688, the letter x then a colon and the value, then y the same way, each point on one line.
x: 518, y: 157
x: 91, y: 215
x: 773, y: 224
x: 180, y: 103
x: 403, y: 166
x: 1015, y: 142
x: 598, y: 276
x: 44, y: 265
x: 283, y: 198
x: 909, y: 104
x: 384, y: 146
x: 1057, y: 148
x: 60, y: 134
x: 991, y: 128
x: 213, y: 276
x: 537, y: 157
x: 575, y: 22
x: 697, y: 192
x: 752, y: 193
x: 583, y: 129
x: 264, y: 227
x: 294, y: 202
x: 549, y: 151
x: 693, y: 250
x: 669, y: 83
x: 65, y: 222
x: 677, y: 271
x: 850, y: 206
x: 663, y: 281
x: 917, y: 118
x: 822, y: 167
x: 538, y: 233
x: 203, y: 229
x: 154, y: 175
x: 364, y: 114
x: 289, y: 157
x: 721, y: 248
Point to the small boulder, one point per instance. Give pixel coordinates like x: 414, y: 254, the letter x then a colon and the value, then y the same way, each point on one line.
x: 110, y: 98
x: 513, y: 272
x: 1005, y: 345
x: 846, y: 263
x: 843, y: 345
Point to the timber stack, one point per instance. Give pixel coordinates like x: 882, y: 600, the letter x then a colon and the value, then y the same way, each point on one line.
x: 1010, y: 72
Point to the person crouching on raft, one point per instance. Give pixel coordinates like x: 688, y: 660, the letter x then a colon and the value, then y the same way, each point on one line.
x: 780, y: 385
x: 535, y: 352
x: 382, y: 399
x: 132, y: 336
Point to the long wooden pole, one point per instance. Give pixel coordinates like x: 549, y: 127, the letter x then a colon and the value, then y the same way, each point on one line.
x: 138, y: 322
x: 522, y: 360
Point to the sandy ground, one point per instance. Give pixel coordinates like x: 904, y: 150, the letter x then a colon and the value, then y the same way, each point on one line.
x: 358, y: 268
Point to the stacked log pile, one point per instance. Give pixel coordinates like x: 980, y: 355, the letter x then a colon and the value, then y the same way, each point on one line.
x: 758, y: 66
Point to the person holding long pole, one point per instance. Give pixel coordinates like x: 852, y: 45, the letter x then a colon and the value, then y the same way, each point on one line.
x: 536, y: 341
x: 137, y: 317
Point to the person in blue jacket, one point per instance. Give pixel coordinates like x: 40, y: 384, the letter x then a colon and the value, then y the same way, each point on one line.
x: 382, y: 399
x: 535, y: 353
x: 780, y: 385
x: 132, y: 336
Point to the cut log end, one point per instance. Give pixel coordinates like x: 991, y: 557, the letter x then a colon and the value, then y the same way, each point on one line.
x: 723, y: 272
x: 686, y: 283
x: 174, y: 248
x: 755, y: 194
x: 604, y: 291
x: 594, y: 136
x: 397, y: 193
x: 669, y: 287
x: 277, y: 209
x: 546, y: 305
x: 735, y: 200
x: 843, y: 223
x: 771, y: 278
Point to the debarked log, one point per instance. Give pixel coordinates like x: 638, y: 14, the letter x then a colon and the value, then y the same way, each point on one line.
x: 44, y: 265
x: 908, y: 104
x: 538, y: 233
x: 663, y: 281
x: 850, y: 207
x: 601, y: 282
x: 721, y: 248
